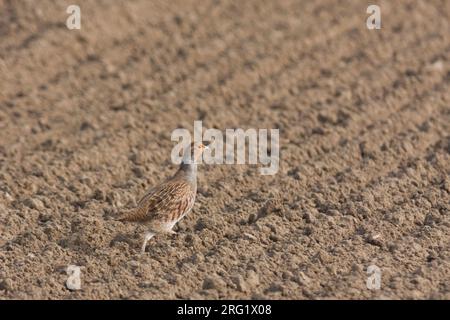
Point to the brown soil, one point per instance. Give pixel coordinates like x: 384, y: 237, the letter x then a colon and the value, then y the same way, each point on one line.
x: 364, y: 117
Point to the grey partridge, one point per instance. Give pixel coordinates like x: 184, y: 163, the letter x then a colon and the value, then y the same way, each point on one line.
x: 166, y: 204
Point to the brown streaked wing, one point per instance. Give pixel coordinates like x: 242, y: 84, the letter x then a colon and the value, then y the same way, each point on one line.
x: 186, y: 206
x: 163, y: 201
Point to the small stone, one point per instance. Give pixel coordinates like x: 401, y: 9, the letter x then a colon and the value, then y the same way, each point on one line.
x: 85, y: 125
x: 130, y: 122
x: 286, y: 275
x: 87, y: 181
x: 252, y: 278
x: 274, y: 287
x: 309, y: 218
x: 200, y: 225
x: 323, y: 257
x: 446, y: 185
x: 6, y: 284
x: 99, y: 195
x: 213, y: 283
x: 249, y: 236
x: 431, y: 219
x: 34, y: 203
x: 43, y: 217
x: 392, y: 247
x: 308, y: 231
x: 375, y: 240
x: 332, y: 270
x: 333, y: 213
x: 356, y: 268
x: 113, y: 198
x: 295, y: 173
x: 32, y: 186
x: 318, y: 131
x: 271, y: 206
x: 431, y: 257
x: 240, y: 283
x: 197, y: 258
x: 258, y: 296
x: 138, y: 158
x: 274, y: 237
x: 11, y: 199
x: 252, y: 218
x: 303, y: 279
x: 438, y: 66
x: 138, y: 171
x: 110, y: 68
x: 204, y: 191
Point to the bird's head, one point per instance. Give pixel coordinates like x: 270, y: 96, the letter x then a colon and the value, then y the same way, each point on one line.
x: 193, y: 152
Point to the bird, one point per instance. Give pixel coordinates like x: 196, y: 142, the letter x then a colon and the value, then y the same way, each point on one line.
x: 164, y: 205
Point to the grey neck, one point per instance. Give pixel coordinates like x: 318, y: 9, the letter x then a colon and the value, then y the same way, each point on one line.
x: 189, y: 171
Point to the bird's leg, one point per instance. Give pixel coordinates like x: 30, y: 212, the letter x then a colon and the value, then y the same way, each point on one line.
x: 147, y: 237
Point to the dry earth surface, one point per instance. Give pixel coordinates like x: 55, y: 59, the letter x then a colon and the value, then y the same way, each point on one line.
x: 364, y: 116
